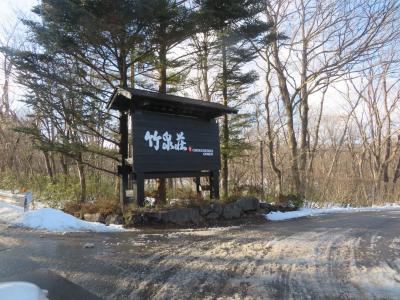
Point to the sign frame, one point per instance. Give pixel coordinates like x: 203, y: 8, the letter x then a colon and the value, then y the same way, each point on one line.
x: 171, y: 144
x: 190, y: 115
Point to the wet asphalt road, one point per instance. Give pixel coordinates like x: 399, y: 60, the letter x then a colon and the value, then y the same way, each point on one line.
x: 342, y: 256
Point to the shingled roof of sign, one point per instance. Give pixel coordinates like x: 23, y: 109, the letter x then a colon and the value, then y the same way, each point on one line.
x: 123, y: 99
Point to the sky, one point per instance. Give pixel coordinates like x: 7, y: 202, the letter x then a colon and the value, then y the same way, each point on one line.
x: 10, y: 13
x: 12, y: 10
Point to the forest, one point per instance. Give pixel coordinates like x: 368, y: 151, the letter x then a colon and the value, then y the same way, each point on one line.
x: 316, y: 84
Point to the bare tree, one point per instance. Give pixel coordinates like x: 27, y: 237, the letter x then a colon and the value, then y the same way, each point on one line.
x: 205, y: 80
x: 378, y: 94
x: 8, y: 38
x: 325, y: 40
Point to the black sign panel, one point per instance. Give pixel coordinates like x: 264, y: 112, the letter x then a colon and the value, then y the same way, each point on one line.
x: 167, y: 143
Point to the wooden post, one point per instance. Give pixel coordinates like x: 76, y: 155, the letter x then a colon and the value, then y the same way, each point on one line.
x: 122, y: 189
x: 198, y: 192
x: 211, y: 186
x: 123, y: 150
x: 214, y: 184
x: 139, y: 182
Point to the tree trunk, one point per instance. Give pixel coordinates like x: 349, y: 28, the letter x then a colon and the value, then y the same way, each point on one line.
x: 64, y: 165
x: 205, y: 70
x: 123, y: 130
x: 5, y: 103
x: 13, y: 156
x: 272, y: 160
x: 294, y: 166
x: 132, y: 77
x: 388, y: 144
x: 304, y: 108
x: 48, y: 166
x: 161, y: 182
x: 225, y: 127
x: 82, y: 179
x: 385, y: 165
x: 396, y: 174
x: 270, y: 138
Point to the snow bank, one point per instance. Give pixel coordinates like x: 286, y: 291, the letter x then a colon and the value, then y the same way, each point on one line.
x: 305, y: 212
x: 49, y: 219
x: 21, y: 291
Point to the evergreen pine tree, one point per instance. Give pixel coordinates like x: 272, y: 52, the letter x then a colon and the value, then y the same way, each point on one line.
x: 235, y: 25
x: 169, y: 23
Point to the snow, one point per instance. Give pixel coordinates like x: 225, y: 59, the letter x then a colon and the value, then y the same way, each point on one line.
x: 49, y: 219
x: 150, y: 201
x: 21, y: 291
x: 9, y: 212
x: 305, y: 212
x: 381, y: 281
x: 13, y: 197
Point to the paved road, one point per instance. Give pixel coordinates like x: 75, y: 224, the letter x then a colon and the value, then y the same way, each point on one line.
x: 343, y: 256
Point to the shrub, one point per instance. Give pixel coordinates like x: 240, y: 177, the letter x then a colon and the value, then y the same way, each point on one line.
x: 72, y: 208
x: 295, y: 200
x: 102, y: 206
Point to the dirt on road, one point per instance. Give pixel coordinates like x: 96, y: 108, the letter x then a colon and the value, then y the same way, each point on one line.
x: 342, y: 256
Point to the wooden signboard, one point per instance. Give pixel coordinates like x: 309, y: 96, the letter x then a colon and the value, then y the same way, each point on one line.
x: 171, y: 137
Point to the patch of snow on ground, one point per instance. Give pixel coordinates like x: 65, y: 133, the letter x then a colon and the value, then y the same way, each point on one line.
x: 305, y: 212
x: 201, y: 232
x: 187, y: 232
x: 382, y: 281
x: 395, y: 244
x: 49, y: 219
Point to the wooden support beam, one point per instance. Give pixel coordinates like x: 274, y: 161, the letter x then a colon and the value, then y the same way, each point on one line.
x: 123, y: 150
x: 198, y: 191
x: 214, y: 184
x: 139, y: 182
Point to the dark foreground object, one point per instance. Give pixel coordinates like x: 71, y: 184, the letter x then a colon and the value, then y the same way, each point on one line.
x: 58, y: 287
x: 342, y: 256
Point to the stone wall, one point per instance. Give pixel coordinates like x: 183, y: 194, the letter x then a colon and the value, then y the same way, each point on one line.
x: 204, y: 214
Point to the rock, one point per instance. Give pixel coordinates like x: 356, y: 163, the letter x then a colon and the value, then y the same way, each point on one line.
x: 152, y: 217
x: 285, y: 208
x: 114, y: 219
x: 97, y: 217
x: 267, y: 207
x: 213, y: 215
x: 231, y: 211
x: 205, y: 209
x: 248, y: 204
x: 182, y: 216
x: 211, y: 211
x: 134, y: 220
x: 216, y: 208
x: 88, y: 246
